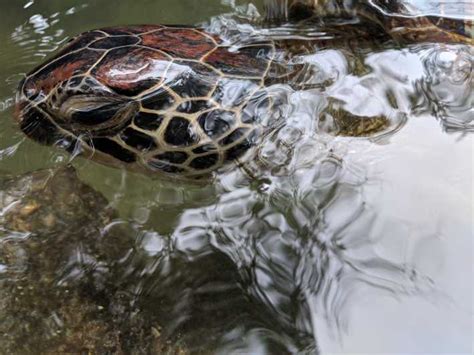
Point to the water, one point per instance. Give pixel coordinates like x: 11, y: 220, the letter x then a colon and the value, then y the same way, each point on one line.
x: 322, y: 243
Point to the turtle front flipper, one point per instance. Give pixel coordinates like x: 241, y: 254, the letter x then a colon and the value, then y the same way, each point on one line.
x: 421, y: 29
x: 395, y: 18
x: 404, y: 26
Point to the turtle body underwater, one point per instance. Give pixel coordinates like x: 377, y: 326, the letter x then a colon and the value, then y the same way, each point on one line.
x: 175, y: 100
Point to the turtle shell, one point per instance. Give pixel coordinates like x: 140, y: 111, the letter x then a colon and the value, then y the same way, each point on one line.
x: 156, y: 98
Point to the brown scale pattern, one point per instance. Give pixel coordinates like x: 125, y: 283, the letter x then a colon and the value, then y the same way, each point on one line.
x: 180, y: 43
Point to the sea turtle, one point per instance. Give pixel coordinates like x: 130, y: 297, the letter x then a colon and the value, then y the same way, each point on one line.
x: 175, y: 99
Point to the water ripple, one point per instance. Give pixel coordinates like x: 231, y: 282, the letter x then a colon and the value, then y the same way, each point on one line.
x: 446, y: 89
x: 281, y: 244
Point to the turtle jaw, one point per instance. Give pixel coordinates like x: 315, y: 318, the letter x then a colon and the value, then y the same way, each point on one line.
x: 36, y: 124
x: 93, y: 115
x: 32, y: 118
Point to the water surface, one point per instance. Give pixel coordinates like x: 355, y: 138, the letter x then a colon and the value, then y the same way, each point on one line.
x: 324, y: 243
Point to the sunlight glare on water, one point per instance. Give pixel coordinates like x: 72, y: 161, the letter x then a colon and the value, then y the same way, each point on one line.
x: 322, y: 241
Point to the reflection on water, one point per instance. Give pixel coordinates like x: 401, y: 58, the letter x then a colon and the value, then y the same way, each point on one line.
x: 319, y: 242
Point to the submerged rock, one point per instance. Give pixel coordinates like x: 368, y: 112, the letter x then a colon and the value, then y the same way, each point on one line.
x: 60, y: 266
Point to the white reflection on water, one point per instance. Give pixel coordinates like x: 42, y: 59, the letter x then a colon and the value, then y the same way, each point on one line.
x: 424, y: 209
x: 307, y: 237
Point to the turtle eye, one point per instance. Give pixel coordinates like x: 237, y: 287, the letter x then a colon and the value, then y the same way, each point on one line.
x: 91, y: 111
x: 82, y: 113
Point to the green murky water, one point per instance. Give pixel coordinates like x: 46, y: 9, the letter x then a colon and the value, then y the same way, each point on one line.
x: 336, y: 244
